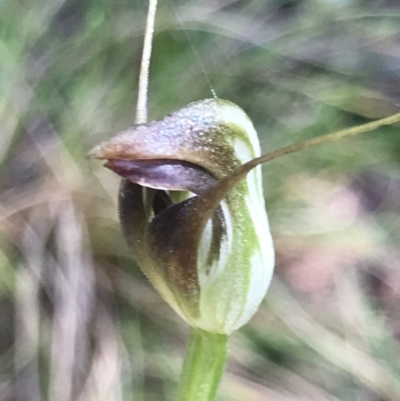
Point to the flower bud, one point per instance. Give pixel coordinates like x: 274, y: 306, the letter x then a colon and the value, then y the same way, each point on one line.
x: 212, y: 266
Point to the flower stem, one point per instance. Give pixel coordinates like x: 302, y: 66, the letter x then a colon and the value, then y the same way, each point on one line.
x: 141, y: 107
x: 203, y: 366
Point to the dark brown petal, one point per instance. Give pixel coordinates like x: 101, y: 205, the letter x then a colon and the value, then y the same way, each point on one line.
x: 170, y: 237
x: 171, y: 243
x: 163, y: 174
x: 160, y: 241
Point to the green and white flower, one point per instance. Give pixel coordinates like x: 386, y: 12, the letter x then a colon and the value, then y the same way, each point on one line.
x: 213, y: 269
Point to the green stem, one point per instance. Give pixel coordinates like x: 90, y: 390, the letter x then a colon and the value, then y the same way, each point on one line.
x: 203, y: 366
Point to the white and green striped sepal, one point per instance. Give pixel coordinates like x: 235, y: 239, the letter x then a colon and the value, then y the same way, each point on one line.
x: 208, y: 253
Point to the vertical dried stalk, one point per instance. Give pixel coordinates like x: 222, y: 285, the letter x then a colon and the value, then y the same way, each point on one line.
x: 27, y: 318
x: 103, y: 382
x: 141, y: 107
x: 73, y: 302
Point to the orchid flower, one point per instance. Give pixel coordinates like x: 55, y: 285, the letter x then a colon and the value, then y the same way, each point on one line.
x: 211, y: 259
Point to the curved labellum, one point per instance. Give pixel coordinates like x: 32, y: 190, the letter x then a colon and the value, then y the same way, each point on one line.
x: 210, y: 259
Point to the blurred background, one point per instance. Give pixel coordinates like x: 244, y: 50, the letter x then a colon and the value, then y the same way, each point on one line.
x: 78, y: 320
